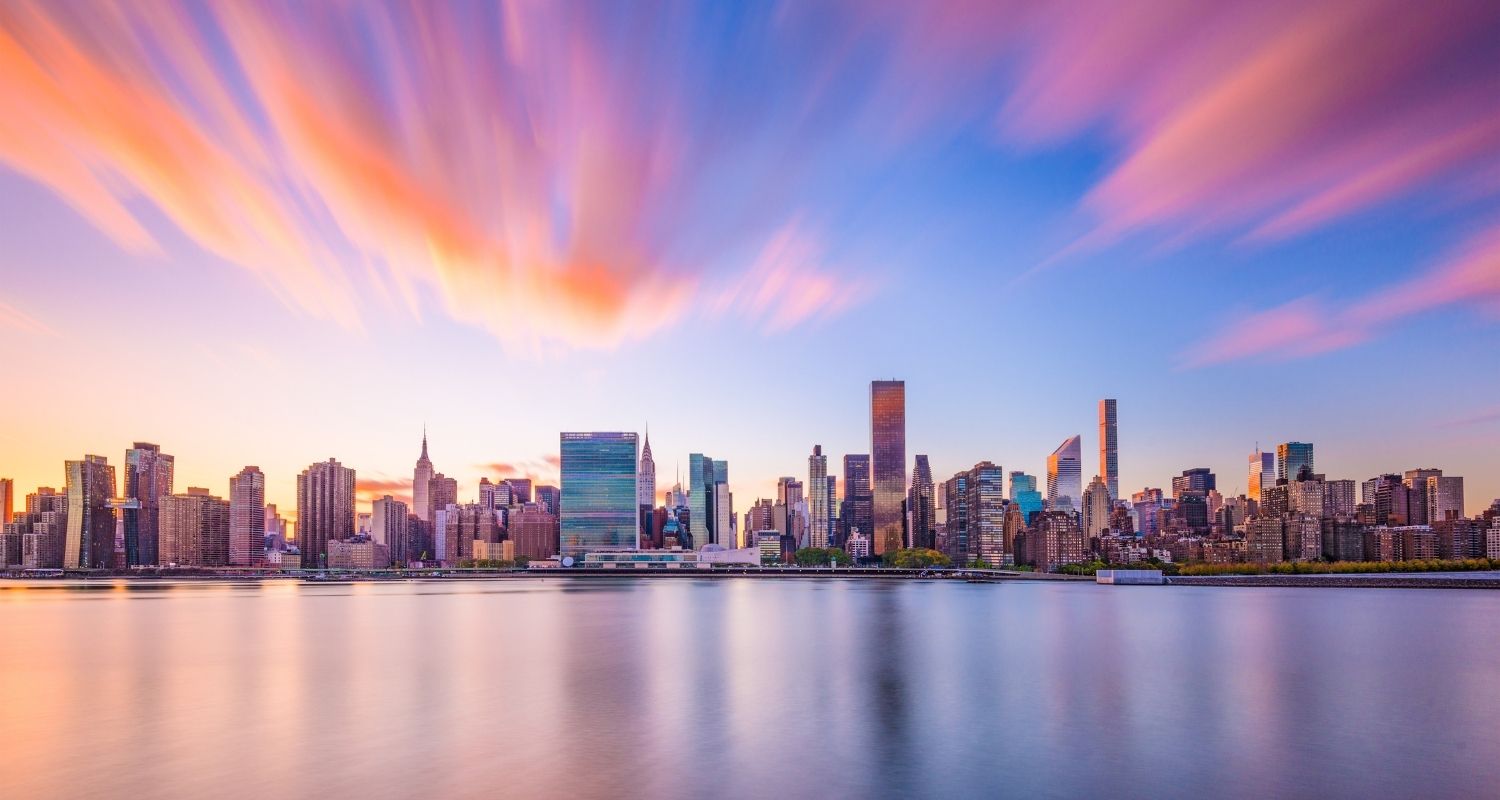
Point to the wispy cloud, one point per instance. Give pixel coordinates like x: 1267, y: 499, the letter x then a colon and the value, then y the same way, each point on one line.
x: 11, y: 317
x: 1469, y: 276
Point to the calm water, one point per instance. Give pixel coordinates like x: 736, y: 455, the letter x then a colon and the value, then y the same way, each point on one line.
x: 747, y: 688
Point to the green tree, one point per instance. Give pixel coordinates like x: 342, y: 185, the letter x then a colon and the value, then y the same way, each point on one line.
x: 916, y: 558
x: 820, y: 556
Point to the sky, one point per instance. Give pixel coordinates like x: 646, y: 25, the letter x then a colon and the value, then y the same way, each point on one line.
x: 273, y: 233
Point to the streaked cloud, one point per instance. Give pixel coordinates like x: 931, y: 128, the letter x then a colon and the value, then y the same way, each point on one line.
x: 1467, y: 277
x: 16, y: 319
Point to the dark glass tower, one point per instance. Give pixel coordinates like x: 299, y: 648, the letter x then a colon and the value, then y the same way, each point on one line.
x: 599, y: 494
x: 887, y: 463
x: 858, y: 503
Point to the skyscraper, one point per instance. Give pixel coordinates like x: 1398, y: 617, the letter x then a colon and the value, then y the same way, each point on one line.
x: 919, y: 505
x: 1291, y: 457
x: 1096, y: 508
x: 817, y: 496
x: 247, y: 517
x: 194, y: 529
x: 90, y: 539
x: 832, y: 509
x: 442, y: 491
x: 646, y: 476
x: 420, y: 478
x: 1024, y: 495
x: 599, y: 493
x: 1445, y: 497
x: 984, y: 509
x: 887, y: 463
x: 7, y: 500
x: 390, y: 526
x: 701, y: 499
x: 148, y: 478
x: 858, y: 502
x: 325, y: 508
x: 1065, y: 476
x: 723, y: 515
x: 1109, y: 446
x: 1262, y: 474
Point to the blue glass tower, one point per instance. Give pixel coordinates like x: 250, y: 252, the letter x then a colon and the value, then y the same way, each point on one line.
x: 598, y: 493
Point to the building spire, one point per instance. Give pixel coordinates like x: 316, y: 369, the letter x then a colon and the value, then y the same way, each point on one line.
x: 424, y: 442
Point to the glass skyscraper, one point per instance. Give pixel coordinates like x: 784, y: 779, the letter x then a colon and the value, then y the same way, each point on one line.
x: 1262, y: 473
x: 599, y: 493
x: 1024, y: 494
x: 147, y: 479
x: 1065, y: 476
x: 1291, y: 457
x: 887, y: 463
x: 858, y: 503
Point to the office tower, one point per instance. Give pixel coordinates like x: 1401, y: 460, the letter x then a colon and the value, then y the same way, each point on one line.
x: 1307, y: 496
x: 1291, y: 457
x: 721, y: 535
x: 1445, y: 497
x: 700, y: 498
x: 1096, y: 507
x: 495, y: 495
x: 90, y: 538
x: 1262, y: 473
x: 887, y: 463
x: 760, y: 517
x: 859, y: 510
x: 194, y: 529
x: 520, y: 490
x: 148, y: 478
x: 247, y: 517
x: 534, y: 532
x: 325, y: 508
x: 724, y: 516
x: 420, y: 478
x: 550, y: 499
x: 831, y: 508
x: 7, y: 500
x: 599, y: 493
x: 1198, y: 480
x: 1109, y: 446
x: 390, y: 525
x: 276, y: 532
x: 1065, y: 476
x: 817, y: 496
x: 1389, y: 498
x: 1024, y: 494
x: 956, y: 501
x: 1416, y: 487
x: 919, y: 505
x: 984, y: 509
x: 458, y: 526
x: 1265, y: 539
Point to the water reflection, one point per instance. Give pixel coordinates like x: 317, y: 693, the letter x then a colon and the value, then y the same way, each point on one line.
x: 743, y: 689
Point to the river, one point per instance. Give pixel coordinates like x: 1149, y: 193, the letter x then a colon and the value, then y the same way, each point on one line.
x: 745, y: 689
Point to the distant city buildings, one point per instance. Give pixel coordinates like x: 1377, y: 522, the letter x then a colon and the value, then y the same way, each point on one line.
x: 247, y: 517
x: 325, y: 508
x: 920, y: 506
x: 90, y: 538
x: 148, y: 478
x: 194, y: 529
x: 817, y: 497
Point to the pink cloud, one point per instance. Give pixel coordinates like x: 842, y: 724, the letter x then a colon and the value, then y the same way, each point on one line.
x: 16, y: 319
x: 1469, y: 276
x: 788, y: 284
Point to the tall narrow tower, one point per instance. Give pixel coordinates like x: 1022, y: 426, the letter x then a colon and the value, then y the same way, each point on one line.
x: 421, y: 477
x: 1109, y: 447
x: 817, y: 496
x: 887, y: 463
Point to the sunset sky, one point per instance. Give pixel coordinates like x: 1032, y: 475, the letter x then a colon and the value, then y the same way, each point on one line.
x: 270, y: 233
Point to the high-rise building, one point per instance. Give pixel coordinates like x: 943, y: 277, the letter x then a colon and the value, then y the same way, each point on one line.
x: 956, y: 530
x: 831, y: 508
x: 247, y: 517
x: 495, y: 495
x: 148, y: 478
x: 599, y: 493
x: 817, y: 496
x: 984, y: 510
x: 90, y: 538
x: 1096, y: 507
x: 724, y: 515
x: 1445, y: 497
x: 1109, y: 446
x: 442, y: 491
x: 1055, y: 540
x: 390, y: 525
x: 1024, y: 494
x: 1262, y: 473
x: 421, y: 476
x: 7, y: 500
x: 549, y: 498
x: 1338, y: 498
x: 325, y: 509
x: 920, y: 505
x: 534, y: 532
x: 1065, y: 476
x: 520, y: 490
x: 645, y: 480
x: 194, y: 529
x: 1291, y: 457
x: 1198, y: 480
x: 701, y: 498
x: 859, y: 510
x: 887, y: 463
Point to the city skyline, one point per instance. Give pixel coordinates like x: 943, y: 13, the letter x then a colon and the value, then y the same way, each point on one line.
x: 948, y: 180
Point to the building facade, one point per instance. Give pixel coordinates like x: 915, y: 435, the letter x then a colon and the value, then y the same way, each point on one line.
x: 247, y: 518
x: 1065, y: 476
x: 599, y: 493
x: 148, y: 478
x: 1109, y: 446
x: 887, y: 464
x: 325, y: 508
